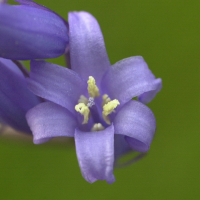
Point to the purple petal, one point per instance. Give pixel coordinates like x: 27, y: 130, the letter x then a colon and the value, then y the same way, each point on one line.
x: 31, y: 33
x: 48, y: 120
x: 36, y: 5
x: 3, y: 1
x: 11, y: 66
x: 95, y: 152
x: 121, y: 146
x: 87, y: 48
x: 128, y: 78
x: 32, y: 3
x: 15, y: 98
x: 148, y: 96
x: 136, y: 121
x: 55, y: 83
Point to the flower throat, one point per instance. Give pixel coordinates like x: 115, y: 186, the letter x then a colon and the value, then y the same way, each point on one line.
x: 87, y: 107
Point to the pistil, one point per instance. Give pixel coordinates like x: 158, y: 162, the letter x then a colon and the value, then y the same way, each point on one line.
x: 95, y: 114
x: 90, y: 102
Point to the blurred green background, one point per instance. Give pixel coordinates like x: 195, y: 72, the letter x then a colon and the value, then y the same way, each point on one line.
x: 166, y: 33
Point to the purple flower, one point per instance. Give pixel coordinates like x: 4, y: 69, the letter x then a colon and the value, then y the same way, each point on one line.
x: 92, y: 101
x: 15, y: 97
x: 31, y: 31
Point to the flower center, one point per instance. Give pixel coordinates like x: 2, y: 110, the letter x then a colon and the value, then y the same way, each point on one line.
x: 87, y: 107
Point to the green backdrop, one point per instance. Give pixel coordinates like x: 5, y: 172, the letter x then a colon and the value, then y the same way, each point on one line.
x: 166, y: 33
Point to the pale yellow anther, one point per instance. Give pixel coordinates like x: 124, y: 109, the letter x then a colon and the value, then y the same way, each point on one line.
x: 97, y: 127
x: 83, y: 99
x: 106, y: 99
x: 93, y: 90
x: 108, y: 108
x: 84, y: 110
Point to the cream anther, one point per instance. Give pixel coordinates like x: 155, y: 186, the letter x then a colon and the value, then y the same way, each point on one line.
x: 106, y: 99
x: 93, y: 90
x: 97, y: 127
x: 83, y: 99
x: 84, y: 110
x: 108, y: 108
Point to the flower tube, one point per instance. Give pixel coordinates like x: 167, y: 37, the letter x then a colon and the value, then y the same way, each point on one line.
x: 31, y: 31
x: 15, y: 97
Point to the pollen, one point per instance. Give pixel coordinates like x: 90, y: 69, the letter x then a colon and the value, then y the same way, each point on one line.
x: 84, y: 110
x: 93, y: 90
x: 108, y: 108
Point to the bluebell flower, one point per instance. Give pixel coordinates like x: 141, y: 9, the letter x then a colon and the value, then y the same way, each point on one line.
x: 15, y: 98
x: 92, y: 101
x: 31, y: 31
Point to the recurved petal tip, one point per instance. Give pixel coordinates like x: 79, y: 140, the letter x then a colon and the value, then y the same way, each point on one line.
x: 137, y: 123
x: 149, y: 96
x: 130, y: 77
x: 48, y: 120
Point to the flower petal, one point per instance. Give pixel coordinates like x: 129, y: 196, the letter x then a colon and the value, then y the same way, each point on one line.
x: 36, y: 5
x: 136, y: 121
x: 48, y: 120
x: 12, y: 66
x: 95, y: 152
x: 121, y: 146
x: 3, y: 1
x: 55, y: 83
x: 32, y: 3
x: 148, y: 96
x: 87, y: 48
x: 31, y: 33
x: 128, y: 78
x: 15, y: 98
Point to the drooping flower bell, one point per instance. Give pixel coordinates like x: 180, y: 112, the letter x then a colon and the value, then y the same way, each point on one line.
x: 92, y: 101
x: 15, y: 98
x: 31, y: 31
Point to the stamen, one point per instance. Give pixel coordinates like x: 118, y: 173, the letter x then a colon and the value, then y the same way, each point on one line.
x: 108, y: 108
x: 83, y: 99
x: 84, y: 110
x: 93, y: 90
x: 106, y: 99
x: 97, y: 127
x: 90, y: 102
